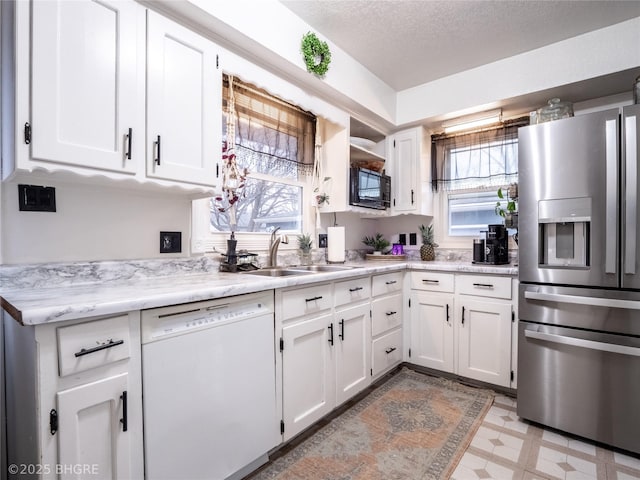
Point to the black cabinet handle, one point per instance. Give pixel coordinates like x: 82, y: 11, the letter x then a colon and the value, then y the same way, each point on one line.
x: 341, y: 335
x: 157, y: 142
x: 111, y: 343
x: 312, y: 299
x: 426, y: 280
x: 124, y: 420
x: 462, y: 315
x: 129, y: 140
x: 447, y: 313
x: 485, y: 285
x: 27, y: 133
x: 53, y: 421
x: 355, y: 289
x: 390, y: 313
x: 412, y: 196
x: 391, y: 282
x: 331, y: 334
x: 389, y: 350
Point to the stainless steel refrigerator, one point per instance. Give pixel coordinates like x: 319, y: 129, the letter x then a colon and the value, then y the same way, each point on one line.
x: 579, y: 298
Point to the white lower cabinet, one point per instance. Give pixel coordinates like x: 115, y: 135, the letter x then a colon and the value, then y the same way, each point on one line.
x: 463, y: 324
x: 386, y: 321
x: 352, y: 342
x: 326, y: 349
x: 76, y: 408
x: 431, y: 327
x: 308, y: 363
x: 93, y: 428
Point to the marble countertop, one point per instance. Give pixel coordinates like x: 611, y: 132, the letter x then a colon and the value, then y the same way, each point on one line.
x: 39, y: 299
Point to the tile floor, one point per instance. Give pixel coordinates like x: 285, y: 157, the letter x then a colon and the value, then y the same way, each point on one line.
x: 506, y: 448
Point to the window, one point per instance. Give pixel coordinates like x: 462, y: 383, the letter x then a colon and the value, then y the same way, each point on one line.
x: 275, y: 142
x: 467, y: 171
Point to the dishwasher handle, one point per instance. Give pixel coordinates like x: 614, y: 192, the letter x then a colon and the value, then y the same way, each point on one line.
x: 583, y: 343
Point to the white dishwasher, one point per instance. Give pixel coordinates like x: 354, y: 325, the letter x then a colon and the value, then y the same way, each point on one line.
x: 209, y: 388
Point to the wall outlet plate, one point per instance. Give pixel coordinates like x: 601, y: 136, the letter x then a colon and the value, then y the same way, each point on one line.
x: 34, y: 198
x: 170, y: 242
x: 322, y: 240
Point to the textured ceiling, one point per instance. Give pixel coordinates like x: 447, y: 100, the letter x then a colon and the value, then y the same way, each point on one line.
x: 410, y: 42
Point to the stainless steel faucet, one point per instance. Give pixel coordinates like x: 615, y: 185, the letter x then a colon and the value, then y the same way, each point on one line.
x: 273, y: 246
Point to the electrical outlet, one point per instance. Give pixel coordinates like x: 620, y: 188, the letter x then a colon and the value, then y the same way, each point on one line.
x: 34, y: 198
x: 413, y: 239
x: 322, y: 240
x: 170, y: 242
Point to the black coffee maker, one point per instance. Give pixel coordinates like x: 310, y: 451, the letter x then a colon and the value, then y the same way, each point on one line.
x: 497, y: 245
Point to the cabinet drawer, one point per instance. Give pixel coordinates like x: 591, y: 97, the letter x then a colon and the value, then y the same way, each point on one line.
x: 303, y: 301
x: 386, y: 283
x: 92, y: 344
x: 484, y: 286
x: 386, y: 351
x: 351, y: 291
x: 432, y: 281
x: 386, y: 313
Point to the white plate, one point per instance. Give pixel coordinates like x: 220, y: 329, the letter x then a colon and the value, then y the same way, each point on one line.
x: 363, y: 142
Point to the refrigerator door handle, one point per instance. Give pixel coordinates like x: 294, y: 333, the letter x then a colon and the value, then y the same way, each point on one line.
x: 583, y: 343
x: 581, y: 300
x: 611, y: 139
x: 631, y: 198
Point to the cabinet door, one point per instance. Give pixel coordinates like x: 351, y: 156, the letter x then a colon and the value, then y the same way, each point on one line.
x: 86, y: 86
x: 432, y: 331
x: 484, y: 341
x: 308, y: 382
x: 184, y: 103
x: 353, y: 351
x: 405, y: 171
x: 91, y: 429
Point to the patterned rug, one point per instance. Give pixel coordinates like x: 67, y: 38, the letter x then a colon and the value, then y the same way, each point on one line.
x: 413, y: 427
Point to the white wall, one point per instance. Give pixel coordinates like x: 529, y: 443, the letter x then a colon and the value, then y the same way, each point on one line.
x: 92, y: 223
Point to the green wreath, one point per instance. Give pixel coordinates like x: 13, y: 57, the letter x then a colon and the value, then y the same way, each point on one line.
x: 314, y: 49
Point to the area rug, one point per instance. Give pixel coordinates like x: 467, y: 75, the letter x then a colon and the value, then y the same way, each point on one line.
x: 413, y: 427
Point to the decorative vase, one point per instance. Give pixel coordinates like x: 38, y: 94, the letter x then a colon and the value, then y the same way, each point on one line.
x: 305, y: 257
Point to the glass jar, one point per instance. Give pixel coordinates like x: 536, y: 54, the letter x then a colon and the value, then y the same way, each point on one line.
x: 555, y: 110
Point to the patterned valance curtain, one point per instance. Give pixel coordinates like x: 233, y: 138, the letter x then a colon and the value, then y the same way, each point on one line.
x: 271, y: 135
x: 481, y: 159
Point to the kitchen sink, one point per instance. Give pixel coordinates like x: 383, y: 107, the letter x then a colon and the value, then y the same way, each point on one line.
x: 278, y: 272
x: 323, y: 268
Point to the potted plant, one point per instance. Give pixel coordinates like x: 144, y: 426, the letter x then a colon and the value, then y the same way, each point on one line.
x: 378, y: 243
x: 508, y: 211
x: 304, y: 244
x: 428, y: 248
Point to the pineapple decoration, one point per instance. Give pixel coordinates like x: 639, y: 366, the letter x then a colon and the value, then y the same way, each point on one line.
x: 428, y: 248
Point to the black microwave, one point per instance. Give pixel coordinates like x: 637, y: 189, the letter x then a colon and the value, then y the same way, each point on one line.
x: 369, y: 189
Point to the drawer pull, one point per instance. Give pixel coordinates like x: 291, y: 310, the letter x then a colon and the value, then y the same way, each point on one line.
x: 129, y: 140
x: 341, y: 334
x: 447, y: 313
x: 104, y: 346
x: 390, y: 313
x: 124, y: 420
x: 426, y: 280
x: 331, y: 334
x: 391, y: 282
x: 53, y: 421
x: 355, y: 289
x: 313, y: 299
x: 462, y: 315
x: 389, y: 350
x: 483, y: 285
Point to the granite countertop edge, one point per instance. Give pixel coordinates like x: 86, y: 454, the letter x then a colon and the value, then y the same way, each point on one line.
x: 41, y: 304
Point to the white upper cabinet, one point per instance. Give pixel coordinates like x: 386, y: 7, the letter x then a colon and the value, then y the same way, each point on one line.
x: 183, y: 87
x: 409, y: 170
x: 84, y: 82
x: 109, y: 93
